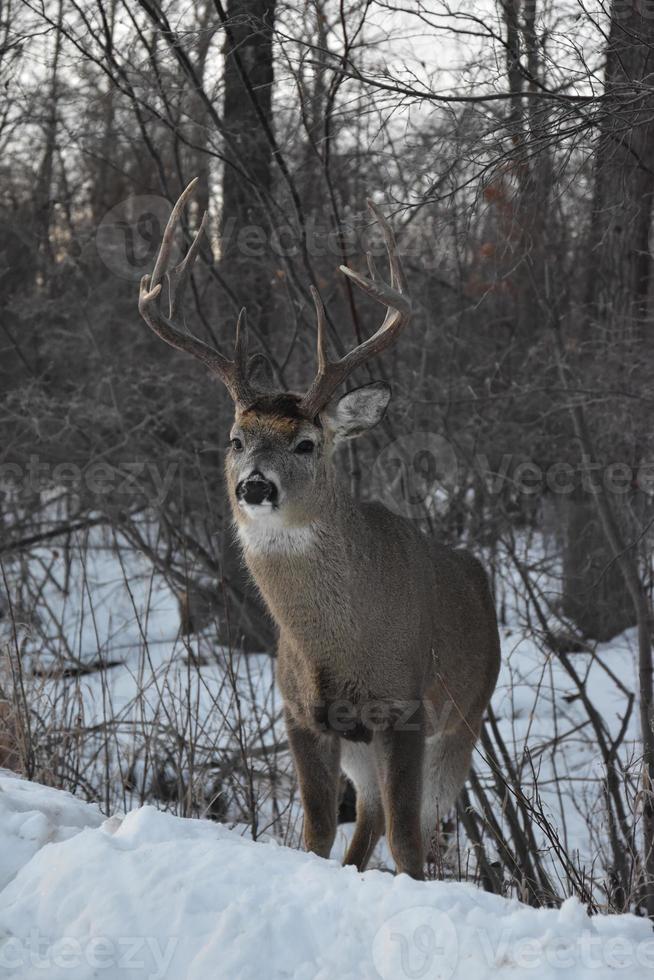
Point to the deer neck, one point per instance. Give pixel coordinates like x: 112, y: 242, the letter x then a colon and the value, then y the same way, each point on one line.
x: 302, y: 570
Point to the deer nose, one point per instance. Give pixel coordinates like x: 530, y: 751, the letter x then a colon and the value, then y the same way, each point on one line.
x: 256, y: 489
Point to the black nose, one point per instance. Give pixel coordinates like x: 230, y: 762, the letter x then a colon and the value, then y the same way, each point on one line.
x: 256, y: 490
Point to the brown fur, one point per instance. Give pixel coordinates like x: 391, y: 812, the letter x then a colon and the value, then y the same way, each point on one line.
x: 388, y: 645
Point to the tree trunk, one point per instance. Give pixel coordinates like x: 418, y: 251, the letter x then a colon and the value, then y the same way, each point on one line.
x: 595, y: 595
x: 616, y: 290
x: 247, y: 176
x: 43, y: 192
x: 246, y: 189
x: 624, y: 555
x: 619, y: 270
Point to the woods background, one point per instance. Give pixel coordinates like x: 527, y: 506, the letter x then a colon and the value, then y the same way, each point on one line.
x: 512, y: 143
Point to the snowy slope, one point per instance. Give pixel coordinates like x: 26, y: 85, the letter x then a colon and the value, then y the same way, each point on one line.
x: 32, y: 816
x: 167, y: 715
x: 153, y: 895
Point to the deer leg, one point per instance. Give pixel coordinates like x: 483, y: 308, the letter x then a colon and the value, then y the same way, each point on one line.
x: 359, y: 763
x: 446, y: 766
x: 369, y: 828
x: 402, y: 750
x: 316, y: 757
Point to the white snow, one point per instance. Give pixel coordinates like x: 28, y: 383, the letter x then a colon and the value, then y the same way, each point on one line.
x: 153, y: 895
x: 167, y: 698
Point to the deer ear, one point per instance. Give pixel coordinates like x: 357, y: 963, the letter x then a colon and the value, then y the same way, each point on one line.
x: 261, y: 372
x: 357, y: 411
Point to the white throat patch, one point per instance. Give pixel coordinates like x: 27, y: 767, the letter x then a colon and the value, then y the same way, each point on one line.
x: 267, y: 534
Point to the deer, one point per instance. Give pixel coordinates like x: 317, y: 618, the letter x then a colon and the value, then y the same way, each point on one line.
x: 388, y: 649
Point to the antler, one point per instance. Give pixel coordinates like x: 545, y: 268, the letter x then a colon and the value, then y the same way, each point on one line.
x: 331, y: 373
x: 233, y: 374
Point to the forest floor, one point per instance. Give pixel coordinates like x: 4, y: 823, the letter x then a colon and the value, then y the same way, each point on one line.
x: 152, y: 895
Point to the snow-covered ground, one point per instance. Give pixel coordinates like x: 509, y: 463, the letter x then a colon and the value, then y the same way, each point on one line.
x: 167, y: 712
x: 196, y: 730
x: 153, y: 895
x: 157, y: 707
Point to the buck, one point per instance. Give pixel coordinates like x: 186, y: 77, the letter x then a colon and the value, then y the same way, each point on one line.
x: 388, y: 647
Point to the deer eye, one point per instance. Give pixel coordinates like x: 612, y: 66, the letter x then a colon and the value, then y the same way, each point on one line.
x: 304, y: 447
x: 236, y: 444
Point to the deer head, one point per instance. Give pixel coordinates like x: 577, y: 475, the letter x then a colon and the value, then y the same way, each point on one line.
x: 280, y: 443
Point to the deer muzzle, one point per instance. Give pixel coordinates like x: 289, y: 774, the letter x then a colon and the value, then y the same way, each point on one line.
x: 256, y: 490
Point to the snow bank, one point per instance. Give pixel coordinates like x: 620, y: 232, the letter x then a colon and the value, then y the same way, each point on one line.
x: 32, y: 816
x: 152, y: 895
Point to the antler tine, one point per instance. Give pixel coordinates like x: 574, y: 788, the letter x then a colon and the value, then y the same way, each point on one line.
x: 397, y: 273
x: 179, y: 276
x: 233, y: 374
x: 163, y: 257
x: 394, y: 295
x: 372, y: 268
x: 398, y: 314
x: 321, y: 341
x: 241, y: 341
